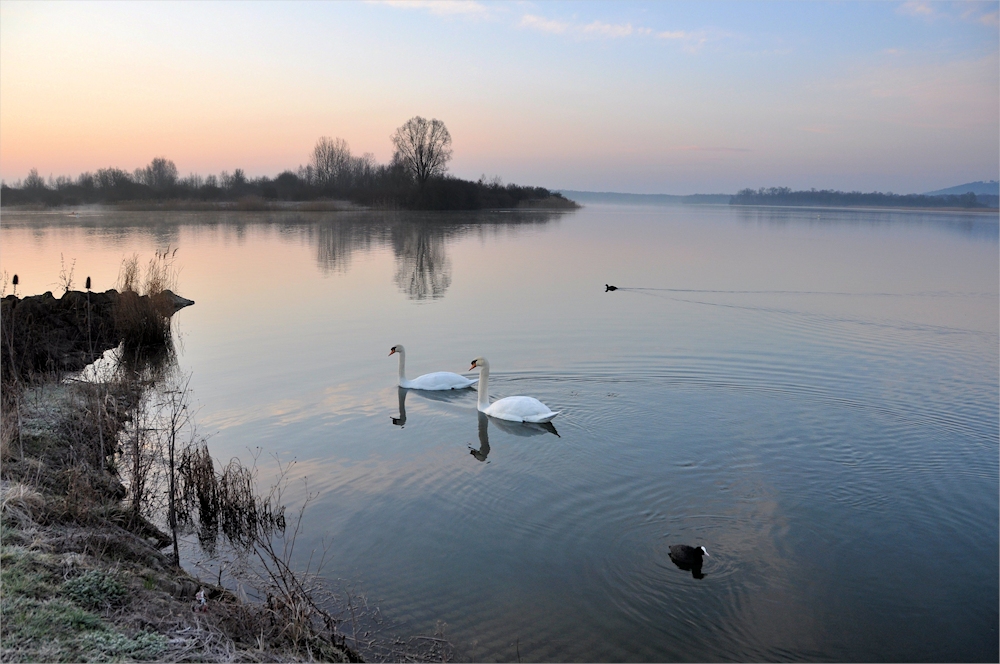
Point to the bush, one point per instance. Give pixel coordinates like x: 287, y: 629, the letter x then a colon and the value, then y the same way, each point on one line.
x: 95, y: 590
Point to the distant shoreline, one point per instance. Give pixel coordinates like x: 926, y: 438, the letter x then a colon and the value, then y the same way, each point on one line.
x: 257, y: 204
x: 784, y: 197
x: 869, y: 208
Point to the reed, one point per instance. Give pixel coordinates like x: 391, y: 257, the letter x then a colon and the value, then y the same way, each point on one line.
x: 142, y: 318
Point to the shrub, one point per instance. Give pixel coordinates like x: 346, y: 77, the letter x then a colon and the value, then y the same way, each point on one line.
x: 95, y: 590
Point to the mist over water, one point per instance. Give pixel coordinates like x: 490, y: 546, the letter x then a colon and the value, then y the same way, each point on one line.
x: 810, y: 394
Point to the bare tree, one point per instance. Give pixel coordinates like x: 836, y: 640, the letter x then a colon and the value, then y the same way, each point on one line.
x: 34, y: 180
x: 423, y: 147
x: 331, y: 161
x: 160, y: 174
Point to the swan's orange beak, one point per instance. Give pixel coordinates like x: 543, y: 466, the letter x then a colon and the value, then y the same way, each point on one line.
x: 473, y: 366
x: 391, y: 351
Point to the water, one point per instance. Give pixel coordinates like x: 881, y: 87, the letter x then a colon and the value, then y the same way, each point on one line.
x: 811, y: 395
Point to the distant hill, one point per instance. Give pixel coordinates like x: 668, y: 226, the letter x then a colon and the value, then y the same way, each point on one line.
x: 643, y: 199
x: 991, y: 188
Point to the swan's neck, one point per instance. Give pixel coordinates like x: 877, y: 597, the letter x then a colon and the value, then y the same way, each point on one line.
x: 484, y: 391
x: 402, y: 365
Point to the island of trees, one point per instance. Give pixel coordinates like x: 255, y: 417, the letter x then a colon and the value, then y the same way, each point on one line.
x: 831, y: 198
x: 416, y: 178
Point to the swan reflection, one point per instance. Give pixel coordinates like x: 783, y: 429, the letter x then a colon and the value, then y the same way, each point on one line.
x: 448, y: 396
x: 401, y: 420
x: 484, y: 438
x: 523, y: 429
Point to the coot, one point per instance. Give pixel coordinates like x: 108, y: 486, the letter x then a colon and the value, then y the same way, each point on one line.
x: 688, y: 558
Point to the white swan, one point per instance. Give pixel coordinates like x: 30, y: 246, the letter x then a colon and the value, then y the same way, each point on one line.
x: 439, y: 380
x: 515, y: 409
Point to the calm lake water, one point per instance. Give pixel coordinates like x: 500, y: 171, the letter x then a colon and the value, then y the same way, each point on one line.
x: 810, y: 394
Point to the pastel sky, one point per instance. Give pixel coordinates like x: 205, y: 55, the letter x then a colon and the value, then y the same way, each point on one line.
x: 644, y: 97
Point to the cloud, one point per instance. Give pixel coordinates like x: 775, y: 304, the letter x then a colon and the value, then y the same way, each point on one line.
x: 960, y: 94
x: 920, y: 9
x: 991, y: 20
x: 441, y: 7
x: 543, y: 24
x: 607, y: 30
x: 595, y: 29
x: 691, y: 41
x: 975, y: 12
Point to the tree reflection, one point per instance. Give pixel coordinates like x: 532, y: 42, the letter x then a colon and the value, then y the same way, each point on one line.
x: 423, y: 268
x: 418, y: 240
x: 336, y: 242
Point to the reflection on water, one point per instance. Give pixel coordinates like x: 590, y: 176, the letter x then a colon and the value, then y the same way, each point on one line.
x: 980, y: 224
x: 418, y: 241
x: 422, y: 265
x: 520, y: 429
x: 806, y: 389
x: 423, y: 268
x: 401, y: 420
x: 443, y: 396
x: 484, y: 438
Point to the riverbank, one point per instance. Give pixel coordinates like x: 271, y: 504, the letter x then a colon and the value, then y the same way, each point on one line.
x: 83, y: 572
x: 85, y: 580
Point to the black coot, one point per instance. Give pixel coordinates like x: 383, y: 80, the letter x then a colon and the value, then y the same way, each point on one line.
x: 609, y: 288
x: 688, y: 558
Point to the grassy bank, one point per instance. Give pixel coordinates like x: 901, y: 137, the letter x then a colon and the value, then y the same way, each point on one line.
x: 102, y: 470
x: 84, y: 578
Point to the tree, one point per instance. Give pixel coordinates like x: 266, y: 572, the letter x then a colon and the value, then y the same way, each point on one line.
x: 34, y: 180
x: 160, y: 174
x: 423, y: 148
x: 331, y: 161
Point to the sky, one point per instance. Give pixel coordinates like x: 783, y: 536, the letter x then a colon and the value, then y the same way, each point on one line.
x: 640, y: 97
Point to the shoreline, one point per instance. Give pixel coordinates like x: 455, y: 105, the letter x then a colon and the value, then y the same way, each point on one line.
x: 867, y: 208
x: 257, y: 204
x: 86, y: 575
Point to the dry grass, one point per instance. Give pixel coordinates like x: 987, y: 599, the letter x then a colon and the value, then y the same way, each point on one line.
x: 144, y: 322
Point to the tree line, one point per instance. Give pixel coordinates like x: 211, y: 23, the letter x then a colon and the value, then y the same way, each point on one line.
x: 416, y: 178
x: 831, y: 198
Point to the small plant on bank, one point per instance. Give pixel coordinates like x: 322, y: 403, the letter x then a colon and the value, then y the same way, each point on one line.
x: 96, y: 589
x: 66, y: 276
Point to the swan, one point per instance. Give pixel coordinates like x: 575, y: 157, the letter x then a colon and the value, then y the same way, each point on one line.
x: 515, y: 409
x: 439, y: 380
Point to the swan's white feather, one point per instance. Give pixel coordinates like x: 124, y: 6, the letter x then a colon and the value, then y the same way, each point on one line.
x: 520, y: 409
x: 439, y: 380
